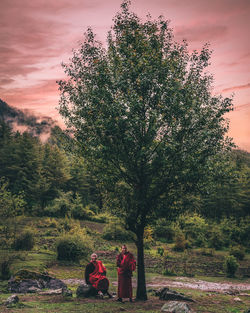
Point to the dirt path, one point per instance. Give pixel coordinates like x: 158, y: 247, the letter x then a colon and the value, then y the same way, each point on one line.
x: 182, y: 282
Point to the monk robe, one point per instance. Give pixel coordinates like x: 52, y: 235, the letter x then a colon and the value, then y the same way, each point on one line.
x: 126, y: 265
x: 95, y: 275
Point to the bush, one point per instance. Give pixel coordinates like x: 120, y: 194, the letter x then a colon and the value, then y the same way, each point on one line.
x: 180, y: 242
x: 5, y: 269
x: 73, y: 247
x: 217, y: 239
x: 25, y: 241
x: 160, y: 251
x: 112, y: 231
x: 162, y: 230
x: 231, y: 265
x: 238, y: 252
x: 195, y: 229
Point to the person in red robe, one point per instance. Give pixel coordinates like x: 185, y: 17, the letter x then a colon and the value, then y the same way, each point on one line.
x: 126, y: 265
x: 95, y: 275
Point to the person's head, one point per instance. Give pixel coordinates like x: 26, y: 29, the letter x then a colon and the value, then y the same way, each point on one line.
x: 124, y: 249
x: 93, y: 257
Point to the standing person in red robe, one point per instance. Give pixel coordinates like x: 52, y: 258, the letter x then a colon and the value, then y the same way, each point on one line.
x: 126, y: 265
x: 95, y: 275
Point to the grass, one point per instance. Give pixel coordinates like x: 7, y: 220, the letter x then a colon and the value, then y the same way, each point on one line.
x: 43, y: 258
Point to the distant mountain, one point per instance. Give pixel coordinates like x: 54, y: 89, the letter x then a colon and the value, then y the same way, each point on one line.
x: 24, y: 120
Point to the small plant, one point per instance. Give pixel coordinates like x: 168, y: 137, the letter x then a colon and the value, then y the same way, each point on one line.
x: 73, y: 247
x: 160, y: 251
x: 168, y: 272
x: 207, y: 251
x: 231, y: 265
x: 180, y: 242
x: 25, y: 241
x: 114, y: 231
x: 5, y: 269
x: 238, y: 252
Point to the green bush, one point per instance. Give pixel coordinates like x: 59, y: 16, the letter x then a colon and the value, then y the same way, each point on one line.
x: 195, y: 229
x: 25, y: 241
x: 73, y: 247
x: 238, y: 252
x: 5, y: 269
x: 180, y: 242
x: 163, y: 230
x: 231, y: 265
x: 113, y: 231
x: 216, y: 239
x: 160, y: 251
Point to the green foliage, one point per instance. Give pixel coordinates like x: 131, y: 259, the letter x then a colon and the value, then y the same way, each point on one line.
x: 164, y: 230
x: 217, y: 239
x: 238, y: 252
x: 114, y: 231
x: 180, y: 243
x: 25, y: 241
x: 231, y: 265
x: 160, y: 251
x: 195, y: 229
x: 72, y: 247
x: 5, y: 269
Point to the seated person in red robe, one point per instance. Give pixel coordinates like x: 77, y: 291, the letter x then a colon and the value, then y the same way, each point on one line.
x: 95, y: 275
x: 126, y: 265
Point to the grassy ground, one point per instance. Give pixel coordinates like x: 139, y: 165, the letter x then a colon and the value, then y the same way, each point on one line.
x: 43, y: 258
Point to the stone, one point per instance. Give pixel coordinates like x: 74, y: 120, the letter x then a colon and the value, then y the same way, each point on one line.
x: 176, y: 307
x: 26, y: 281
x: 85, y: 291
x: 171, y: 295
x: 237, y: 299
x: 33, y: 289
x: 67, y: 292
x: 51, y: 292
x: 12, y: 300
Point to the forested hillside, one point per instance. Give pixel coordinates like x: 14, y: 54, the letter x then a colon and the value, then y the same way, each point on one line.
x: 47, y: 179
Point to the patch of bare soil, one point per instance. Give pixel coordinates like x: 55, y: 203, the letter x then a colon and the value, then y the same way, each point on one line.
x: 182, y: 282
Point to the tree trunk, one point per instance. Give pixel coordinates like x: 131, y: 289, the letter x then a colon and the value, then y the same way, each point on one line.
x: 141, y: 293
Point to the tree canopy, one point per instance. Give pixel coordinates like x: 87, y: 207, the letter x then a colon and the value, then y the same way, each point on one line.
x: 144, y: 118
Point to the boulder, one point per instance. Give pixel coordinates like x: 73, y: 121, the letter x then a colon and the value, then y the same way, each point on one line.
x: 12, y: 300
x: 85, y: 291
x: 176, y: 307
x: 171, y: 295
x: 26, y: 281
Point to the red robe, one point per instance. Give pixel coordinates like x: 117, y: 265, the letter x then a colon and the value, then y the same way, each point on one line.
x: 126, y: 265
x: 97, y: 278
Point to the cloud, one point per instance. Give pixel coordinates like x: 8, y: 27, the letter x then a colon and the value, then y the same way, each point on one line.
x: 240, y: 87
x: 201, y: 32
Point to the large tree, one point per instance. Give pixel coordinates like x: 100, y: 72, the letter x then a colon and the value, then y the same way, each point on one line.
x: 144, y: 119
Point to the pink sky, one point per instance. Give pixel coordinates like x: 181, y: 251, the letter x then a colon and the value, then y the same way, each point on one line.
x: 37, y: 35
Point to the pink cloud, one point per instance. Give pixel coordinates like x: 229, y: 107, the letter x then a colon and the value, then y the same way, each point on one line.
x: 240, y: 87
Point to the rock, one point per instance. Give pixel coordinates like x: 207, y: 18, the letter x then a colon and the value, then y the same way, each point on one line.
x: 33, y: 289
x: 237, y: 299
x: 26, y: 281
x: 85, y: 291
x: 175, y: 307
x: 52, y: 292
x: 12, y: 300
x: 167, y: 294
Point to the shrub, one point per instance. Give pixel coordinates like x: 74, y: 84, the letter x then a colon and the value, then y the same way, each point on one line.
x: 180, y: 242
x: 160, y: 251
x: 195, y: 229
x: 162, y: 230
x: 25, y: 241
x: 231, y: 265
x: 73, y: 247
x: 207, y: 252
x: 168, y: 272
x: 217, y: 239
x: 5, y: 269
x: 113, y: 231
x: 238, y: 252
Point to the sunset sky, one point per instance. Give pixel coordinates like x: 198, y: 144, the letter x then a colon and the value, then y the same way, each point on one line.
x: 37, y: 35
